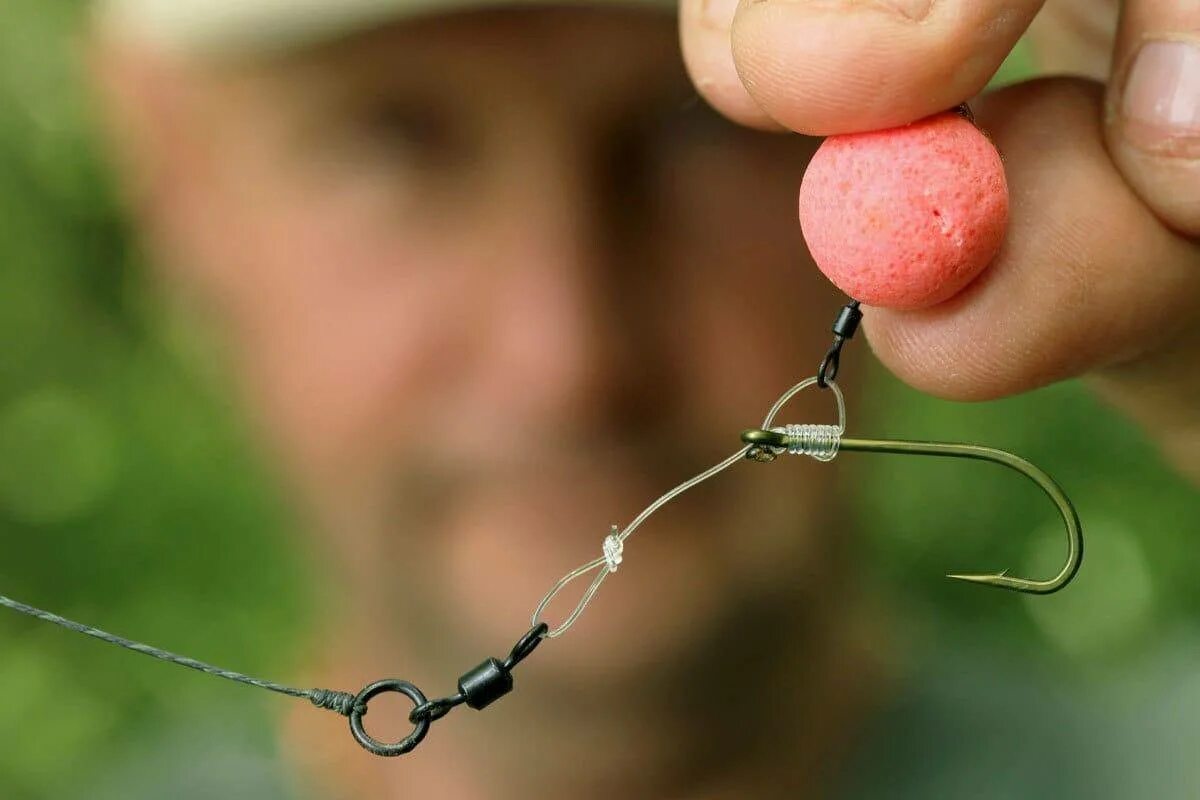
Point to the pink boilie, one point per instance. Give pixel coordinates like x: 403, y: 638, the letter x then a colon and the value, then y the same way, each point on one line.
x: 905, y: 218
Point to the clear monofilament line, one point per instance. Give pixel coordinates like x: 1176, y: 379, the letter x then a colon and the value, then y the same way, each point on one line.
x: 680, y: 489
x: 607, y: 563
x: 819, y: 441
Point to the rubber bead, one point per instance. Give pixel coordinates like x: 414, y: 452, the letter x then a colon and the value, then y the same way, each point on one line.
x: 905, y: 218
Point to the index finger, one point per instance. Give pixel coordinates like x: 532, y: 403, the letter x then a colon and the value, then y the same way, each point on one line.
x: 838, y: 66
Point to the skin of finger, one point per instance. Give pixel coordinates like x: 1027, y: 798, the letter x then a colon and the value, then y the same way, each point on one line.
x: 1166, y: 175
x: 839, y: 66
x: 1087, y: 278
x: 709, y: 60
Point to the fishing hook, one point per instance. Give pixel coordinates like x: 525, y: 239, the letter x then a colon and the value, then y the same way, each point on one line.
x: 782, y: 439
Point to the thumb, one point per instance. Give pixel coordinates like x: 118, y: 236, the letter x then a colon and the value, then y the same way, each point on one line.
x: 1153, y: 108
x: 838, y: 66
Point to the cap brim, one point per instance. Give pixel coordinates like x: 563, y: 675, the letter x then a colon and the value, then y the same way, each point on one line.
x: 254, y: 27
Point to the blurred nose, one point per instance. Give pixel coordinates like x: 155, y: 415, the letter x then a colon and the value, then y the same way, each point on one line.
x: 566, y: 334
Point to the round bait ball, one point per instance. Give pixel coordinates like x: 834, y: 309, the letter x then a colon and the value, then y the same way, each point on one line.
x: 905, y: 218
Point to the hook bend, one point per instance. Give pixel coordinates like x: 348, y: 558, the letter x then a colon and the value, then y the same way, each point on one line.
x: 1047, y: 484
x: 780, y: 438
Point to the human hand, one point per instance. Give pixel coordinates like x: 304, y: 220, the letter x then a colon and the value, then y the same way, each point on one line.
x: 1100, y: 271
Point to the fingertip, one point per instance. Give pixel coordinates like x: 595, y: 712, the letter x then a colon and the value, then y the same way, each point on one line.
x: 939, y: 351
x: 833, y: 66
x: 704, y: 40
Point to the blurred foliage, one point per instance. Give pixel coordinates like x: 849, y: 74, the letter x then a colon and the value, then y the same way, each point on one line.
x: 129, y: 496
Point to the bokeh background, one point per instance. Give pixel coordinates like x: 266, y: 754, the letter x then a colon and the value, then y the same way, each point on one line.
x: 131, y: 497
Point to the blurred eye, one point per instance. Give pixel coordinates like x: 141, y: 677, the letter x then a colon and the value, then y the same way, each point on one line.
x: 673, y: 129
x: 645, y: 150
x: 392, y: 151
x: 417, y: 134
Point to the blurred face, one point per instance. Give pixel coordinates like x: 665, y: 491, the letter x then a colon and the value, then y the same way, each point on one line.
x: 495, y: 282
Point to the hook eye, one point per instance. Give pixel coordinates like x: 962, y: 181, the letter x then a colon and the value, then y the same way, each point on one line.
x: 757, y: 437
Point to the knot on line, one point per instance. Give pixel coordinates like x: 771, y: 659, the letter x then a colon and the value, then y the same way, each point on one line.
x: 613, y: 550
x: 341, y: 702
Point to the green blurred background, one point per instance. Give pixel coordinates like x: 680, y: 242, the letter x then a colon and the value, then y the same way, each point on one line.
x: 130, y: 497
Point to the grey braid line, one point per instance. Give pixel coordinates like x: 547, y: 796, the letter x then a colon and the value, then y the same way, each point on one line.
x: 341, y: 702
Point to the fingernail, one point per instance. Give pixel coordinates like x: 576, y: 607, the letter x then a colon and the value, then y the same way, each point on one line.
x: 719, y: 13
x: 1161, y: 105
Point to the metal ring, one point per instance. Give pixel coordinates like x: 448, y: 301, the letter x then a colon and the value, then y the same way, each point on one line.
x: 372, y: 745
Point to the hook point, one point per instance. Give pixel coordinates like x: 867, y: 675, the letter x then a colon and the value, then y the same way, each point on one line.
x: 990, y: 579
x: 1004, y: 581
